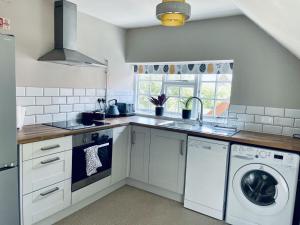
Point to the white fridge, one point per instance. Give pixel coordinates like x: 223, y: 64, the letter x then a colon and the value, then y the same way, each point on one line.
x: 9, y: 185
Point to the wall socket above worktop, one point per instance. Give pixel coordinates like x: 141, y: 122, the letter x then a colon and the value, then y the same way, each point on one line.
x: 44, y: 105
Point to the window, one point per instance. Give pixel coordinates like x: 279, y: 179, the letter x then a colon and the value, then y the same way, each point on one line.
x: 214, y: 89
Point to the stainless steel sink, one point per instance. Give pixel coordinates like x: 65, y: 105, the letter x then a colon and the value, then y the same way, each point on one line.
x: 195, y: 127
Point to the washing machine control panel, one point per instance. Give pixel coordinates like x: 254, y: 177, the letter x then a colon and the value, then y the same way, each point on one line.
x: 265, y: 155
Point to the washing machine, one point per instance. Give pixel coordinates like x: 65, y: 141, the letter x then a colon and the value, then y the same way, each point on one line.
x: 262, y: 186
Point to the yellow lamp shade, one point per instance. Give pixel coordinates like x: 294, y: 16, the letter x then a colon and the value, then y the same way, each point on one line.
x: 172, y: 19
x: 173, y: 13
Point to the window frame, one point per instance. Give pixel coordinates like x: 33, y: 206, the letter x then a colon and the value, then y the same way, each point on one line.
x: 196, y: 84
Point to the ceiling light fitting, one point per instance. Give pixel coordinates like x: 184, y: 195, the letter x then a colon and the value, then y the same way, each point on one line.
x: 173, y: 13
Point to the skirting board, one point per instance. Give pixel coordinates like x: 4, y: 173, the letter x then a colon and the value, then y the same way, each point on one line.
x: 155, y: 190
x: 72, y: 209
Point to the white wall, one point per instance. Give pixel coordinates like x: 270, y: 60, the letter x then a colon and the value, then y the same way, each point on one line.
x: 32, y: 23
x: 265, y: 73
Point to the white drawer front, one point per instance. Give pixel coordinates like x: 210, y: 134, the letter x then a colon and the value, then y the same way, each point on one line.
x: 46, y: 202
x: 42, y: 172
x: 43, y: 148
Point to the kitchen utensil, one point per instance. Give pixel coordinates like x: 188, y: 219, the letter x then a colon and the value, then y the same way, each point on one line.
x: 126, y: 109
x: 113, y: 108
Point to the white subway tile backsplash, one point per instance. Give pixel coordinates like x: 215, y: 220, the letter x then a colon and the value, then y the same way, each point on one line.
x: 237, y: 108
x: 51, y: 109
x: 282, y: 121
x: 297, y: 123
x: 87, y: 100
x: 66, y: 108
x: 293, y: 113
x: 43, y: 100
x: 127, y: 99
x: 59, y: 100
x: 72, y: 115
x: 232, y: 115
x: 25, y: 101
x: 34, y: 91
x: 100, y: 92
x: 274, y: 111
x: 34, y: 110
x: 258, y: 110
x: 28, y: 120
x: 264, y: 119
x: 253, y: 127
x: 66, y: 92
x: 58, y: 104
x: 287, y: 131
x: 72, y: 100
x: 296, y: 131
x: 20, y: 92
x: 90, y: 92
x: 90, y: 107
x: 245, y: 118
x: 234, y: 123
x: 46, y: 118
x: 270, y: 129
x: 51, y: 92
x: 59, y: 117
x: 78, y: 107
x: 79, y: 92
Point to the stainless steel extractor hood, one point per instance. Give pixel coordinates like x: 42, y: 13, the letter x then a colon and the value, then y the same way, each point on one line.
x: 65, y: 32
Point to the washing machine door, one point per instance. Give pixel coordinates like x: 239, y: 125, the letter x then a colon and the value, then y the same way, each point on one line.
x: 261, y: 189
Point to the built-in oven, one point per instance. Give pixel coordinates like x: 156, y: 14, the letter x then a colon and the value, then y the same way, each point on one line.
x: 103, y: 140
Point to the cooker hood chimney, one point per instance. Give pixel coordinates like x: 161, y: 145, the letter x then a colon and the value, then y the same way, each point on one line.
x: 65, y: 32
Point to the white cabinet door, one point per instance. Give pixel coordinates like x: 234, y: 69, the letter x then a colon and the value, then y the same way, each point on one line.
x: 139, y: 156
x: 48, y: 147
x: 42, y: 172
x: 167, y: 160
x: 40, y: 204
x: 120, y: 154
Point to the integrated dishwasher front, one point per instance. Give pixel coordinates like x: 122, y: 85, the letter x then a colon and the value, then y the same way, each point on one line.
x: 206, y: 176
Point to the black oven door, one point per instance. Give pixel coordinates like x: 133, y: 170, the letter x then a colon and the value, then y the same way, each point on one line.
x: 79, y: 174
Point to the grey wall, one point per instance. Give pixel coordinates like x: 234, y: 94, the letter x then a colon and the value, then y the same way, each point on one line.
x: 265, y: 73
x: 32, y: 22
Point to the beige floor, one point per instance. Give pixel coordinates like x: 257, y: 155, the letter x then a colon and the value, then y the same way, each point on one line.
x: 130, y: 206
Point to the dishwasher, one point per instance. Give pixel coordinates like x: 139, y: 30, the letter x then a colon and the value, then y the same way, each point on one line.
x: 206, y: 176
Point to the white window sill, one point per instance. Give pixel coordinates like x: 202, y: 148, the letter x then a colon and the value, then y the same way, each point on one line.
x: 206, y: 120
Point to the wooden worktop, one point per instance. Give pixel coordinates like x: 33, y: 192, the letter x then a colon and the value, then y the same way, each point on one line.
x: 34, y: 133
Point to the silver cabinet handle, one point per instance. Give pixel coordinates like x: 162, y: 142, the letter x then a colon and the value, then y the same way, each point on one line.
x: 103, y: 145
x: 49, y: 192
x: 206, y: 147
x: 50, y: 160
x: 133, y: 138
x: 47, y: 148
x: 182, y: 147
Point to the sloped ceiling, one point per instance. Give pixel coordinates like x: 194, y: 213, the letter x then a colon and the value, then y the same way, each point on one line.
x: 279, y: 18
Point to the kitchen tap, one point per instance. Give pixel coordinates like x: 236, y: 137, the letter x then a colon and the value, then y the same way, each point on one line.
x: 200, y: 114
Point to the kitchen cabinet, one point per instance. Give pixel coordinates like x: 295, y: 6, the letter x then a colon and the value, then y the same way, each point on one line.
x: 120, y: 154
x: 167, y: 160
x: 45, y: 184
x: 47, y: 170
x: 40, y: 204
x: 139, y: 155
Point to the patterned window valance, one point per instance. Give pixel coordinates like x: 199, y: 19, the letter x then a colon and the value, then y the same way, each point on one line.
x: 202, y: 68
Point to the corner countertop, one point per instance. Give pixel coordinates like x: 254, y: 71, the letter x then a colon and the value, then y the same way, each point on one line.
x: 34, y: 133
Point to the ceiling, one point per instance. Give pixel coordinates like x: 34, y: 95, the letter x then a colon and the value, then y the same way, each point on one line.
x: 141, y: 13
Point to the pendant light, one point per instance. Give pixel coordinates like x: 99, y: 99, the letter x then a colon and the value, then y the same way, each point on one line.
x: 173, y: 13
